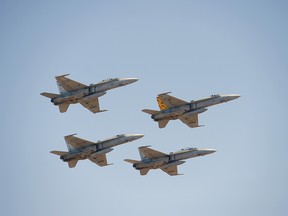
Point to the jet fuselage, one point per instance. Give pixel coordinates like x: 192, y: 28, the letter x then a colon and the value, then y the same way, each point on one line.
x: 100, y: 147
x: 194, y: 107
x: 172, y: 159
x: 92, y: 91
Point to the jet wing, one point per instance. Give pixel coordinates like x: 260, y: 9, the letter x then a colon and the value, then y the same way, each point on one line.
x: 191, y: 121
x: 150, y: 153
x: 100, y: 160
x: 166, y: 101
x: 91, y: 104
x: 75, y: 142
x: 171, y: 170
x: 66, y: 85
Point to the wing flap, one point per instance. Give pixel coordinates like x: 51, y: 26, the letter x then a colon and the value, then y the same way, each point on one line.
x: 100, y: 160
x: 171, y: 170
x: 191, y: 121
x: 92, y: 105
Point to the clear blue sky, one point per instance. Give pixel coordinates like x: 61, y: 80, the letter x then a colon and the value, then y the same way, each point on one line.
x: 192, y: 48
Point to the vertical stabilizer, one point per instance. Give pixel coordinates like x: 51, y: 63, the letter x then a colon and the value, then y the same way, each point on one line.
x: 161, y: 105
x: 67, y: 140
x: 72, y: 163
x: 61, y: 89
x: 59, y: 80
x: 141, y: 149
x: 144, y: 171
x: 163, y: 123
x: 63, y: 107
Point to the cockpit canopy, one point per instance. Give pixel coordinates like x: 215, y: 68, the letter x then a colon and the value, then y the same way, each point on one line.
x: 216, y: 95
x: 109, y: 80
x: 189, y: 148
x: 184, y: 149
x: 120, y: 135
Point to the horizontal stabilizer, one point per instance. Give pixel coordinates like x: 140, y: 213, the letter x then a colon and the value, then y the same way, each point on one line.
x: 49, y: 95
x: 151, y: 112
x: 60, y: 153
x: 132, y: 161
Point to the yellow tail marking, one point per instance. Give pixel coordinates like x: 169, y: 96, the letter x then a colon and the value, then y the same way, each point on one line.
x: 162, y: 106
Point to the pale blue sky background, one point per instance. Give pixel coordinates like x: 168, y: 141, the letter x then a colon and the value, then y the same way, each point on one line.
x: 192, y: 48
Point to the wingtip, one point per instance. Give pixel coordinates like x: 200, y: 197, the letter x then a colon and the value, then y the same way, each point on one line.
x: 147, y: 146
x: 71, y: 135
x: 62, y: 75
x: 99, y: 111
x: 165, y: 93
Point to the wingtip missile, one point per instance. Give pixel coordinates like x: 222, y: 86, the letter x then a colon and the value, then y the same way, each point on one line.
x: 71, y: 135
x: 62, y: 75
x: 165, y: 93
x: 144, y: 146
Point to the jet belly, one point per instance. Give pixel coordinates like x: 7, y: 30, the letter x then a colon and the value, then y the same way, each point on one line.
x: 183, y: 155
x: 79, y: 154
x: 72, y: 97
x: 100, y: 152
x: 110, y: 143
x: 214, y: 100
x: 118, y: 140
x: 154, y: 163
x: 104, y: 86
x: 114, y: 83
x: 171, y: 113
x: 202, y: 104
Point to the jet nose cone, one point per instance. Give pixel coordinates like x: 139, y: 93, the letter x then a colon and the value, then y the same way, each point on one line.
x: 130, y: 80
x: 210, y: 151
x: 138, y: 136
x: 133, y: 79
x: 234, y: 96
x: 135, y: 136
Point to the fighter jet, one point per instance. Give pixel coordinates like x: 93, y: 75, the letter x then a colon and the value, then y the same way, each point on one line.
x: 152, y: 159
x: 72, y: 92
x: 80, y: 149
x: 172, y: 108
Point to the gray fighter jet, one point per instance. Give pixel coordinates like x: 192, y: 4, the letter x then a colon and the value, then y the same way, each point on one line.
x: 80, y: 149
x: 172, y: 108
x: 152, y: 159
x: 72, y: 92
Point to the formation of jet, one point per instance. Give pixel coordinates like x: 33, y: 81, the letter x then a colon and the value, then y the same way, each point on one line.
x: 152, y: 159
x: 80, y: 149
x: 72, y: 92
x: 172, y: 108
